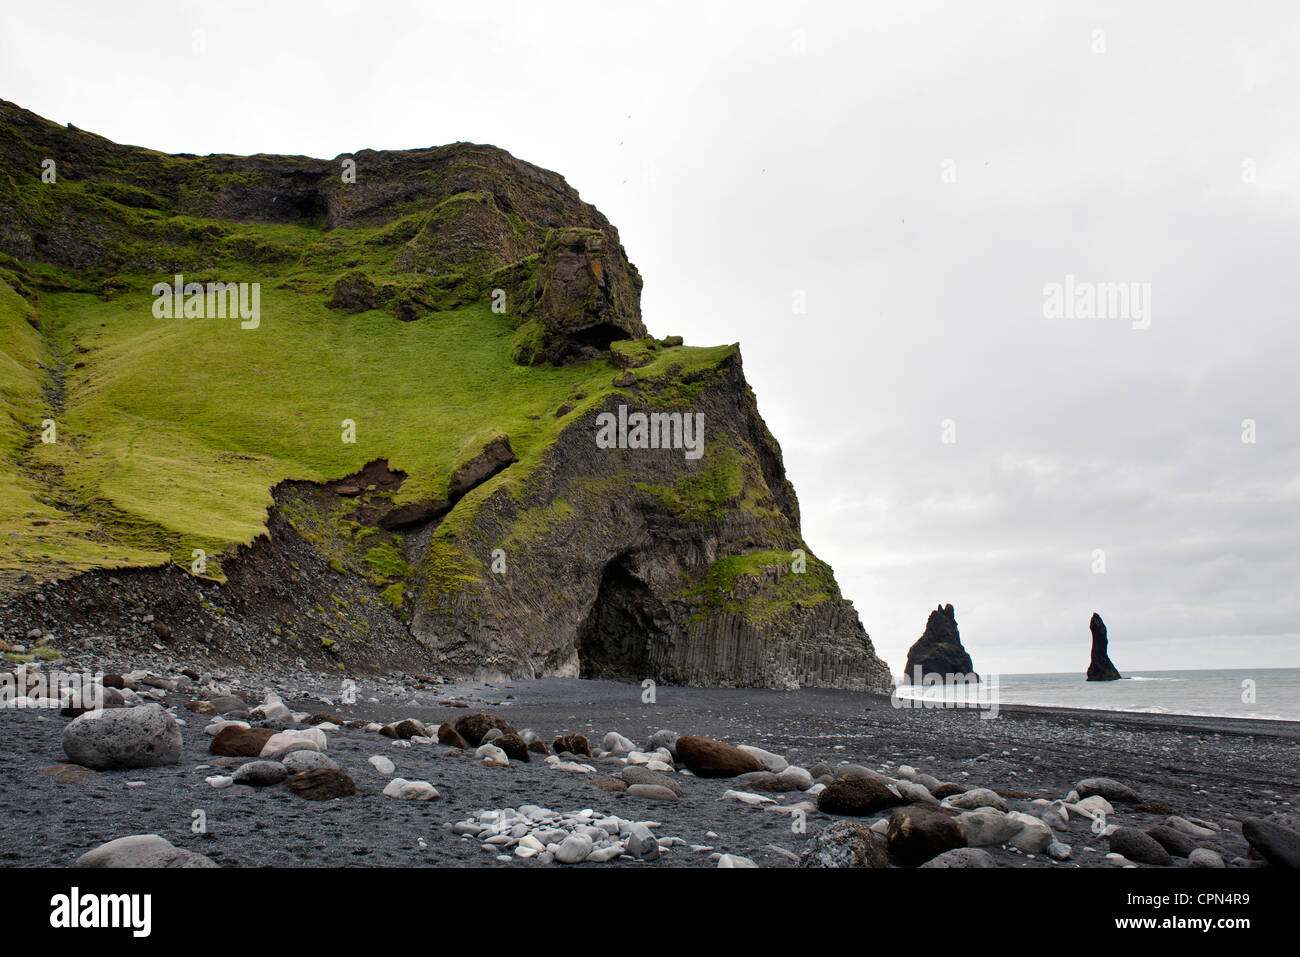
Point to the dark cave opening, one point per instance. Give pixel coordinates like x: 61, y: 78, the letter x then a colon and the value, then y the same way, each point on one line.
x: 599, y: 336
x: 614, y: 641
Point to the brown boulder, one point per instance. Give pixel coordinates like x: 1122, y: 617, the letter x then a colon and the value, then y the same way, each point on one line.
x: 201, y: 707
x: 707, y: 758
x: 538, y: 746
x: 472, y: 727
x: 856, y: 797
x: 449, y: 736
x: 919, y: 832
x: 236, y: 742
x: 514, y: 746
x: 408, y: 729
x: 321, y: 784
x: 573, y: 743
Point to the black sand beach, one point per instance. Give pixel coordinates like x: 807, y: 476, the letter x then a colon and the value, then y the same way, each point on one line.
x: 1217, y: 770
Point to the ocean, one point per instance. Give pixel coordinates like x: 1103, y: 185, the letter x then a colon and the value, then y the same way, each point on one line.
x: 1272, y: 693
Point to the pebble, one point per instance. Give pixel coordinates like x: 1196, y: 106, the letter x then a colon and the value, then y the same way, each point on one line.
x: 771, y: 762
x: 307, y: 760
x: 1204, y: 857
x: 405, y: 790
x: 748, y: 797
x: 617, y: 744
x: 1187, y: 827
x: 260, y: 774
x: 574, y: 849
x: 652, y: 792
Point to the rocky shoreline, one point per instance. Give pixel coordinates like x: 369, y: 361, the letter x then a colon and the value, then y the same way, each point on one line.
x: 403, y: 772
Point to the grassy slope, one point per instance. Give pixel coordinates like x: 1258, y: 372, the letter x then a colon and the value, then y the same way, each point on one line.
x: 175, y: 430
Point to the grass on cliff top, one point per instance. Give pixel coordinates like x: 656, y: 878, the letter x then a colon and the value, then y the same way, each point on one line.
x: 172, y: 432
x: 721, y: 586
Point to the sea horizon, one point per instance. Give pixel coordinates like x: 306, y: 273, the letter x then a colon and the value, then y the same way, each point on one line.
x: 1196, y: 692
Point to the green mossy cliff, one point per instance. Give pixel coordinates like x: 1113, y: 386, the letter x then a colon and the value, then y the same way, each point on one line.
x: 412, y: 413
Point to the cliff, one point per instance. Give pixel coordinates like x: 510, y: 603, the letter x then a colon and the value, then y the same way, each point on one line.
x: 407, y: 457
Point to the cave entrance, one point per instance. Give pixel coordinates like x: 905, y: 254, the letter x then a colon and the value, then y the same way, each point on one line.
x: 614, y: 641
x: 599, y: 336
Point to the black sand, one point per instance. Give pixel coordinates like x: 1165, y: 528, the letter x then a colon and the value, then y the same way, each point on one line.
x: 1217, y: 769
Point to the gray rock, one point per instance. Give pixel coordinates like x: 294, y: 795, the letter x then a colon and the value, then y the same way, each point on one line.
x: 1033, y: 839
x: 916, y: 793
x: 260, y: 774
x: 574, y: 849
x: 641, y: 844
x: 140, y: 737
x: 1138, y: 846
x: 962, y: 857
x: 978, y: 797
x: 1058, y: 850
x: 1187, y: 827
x: 988, y: 826
x: 927, y: 781
x: 664, y: 739
x: 142, y: 850
x: 1110, y: 789
x: 1175, y: 842
x: 771, y: 762
x: 306, y: 760
x: 636, y: 774
x: 1278, y: 845
x: 617, y: 744
x: 652, y: 792
x: 796, y: 778
x: 846, y: 844
x: 1204, y: 857
x: 847, y: 770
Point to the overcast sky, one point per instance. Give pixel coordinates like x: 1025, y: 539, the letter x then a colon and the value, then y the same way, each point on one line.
x: 916, y: 174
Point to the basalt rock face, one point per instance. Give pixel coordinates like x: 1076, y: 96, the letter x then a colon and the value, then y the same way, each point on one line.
x: 1100, y: 667
x: 652, y: 565
x: 462, y: 533
x: 939, y: 650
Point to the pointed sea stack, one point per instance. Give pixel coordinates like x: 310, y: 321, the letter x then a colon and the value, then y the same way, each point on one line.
x: 1100, y: 668
x: 939, y: 650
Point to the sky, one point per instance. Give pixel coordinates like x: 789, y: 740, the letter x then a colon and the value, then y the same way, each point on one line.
x: 876, y: 201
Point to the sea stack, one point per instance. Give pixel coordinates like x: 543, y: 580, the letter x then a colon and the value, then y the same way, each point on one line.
x: 1100, y: 668
x: 939, y: 650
